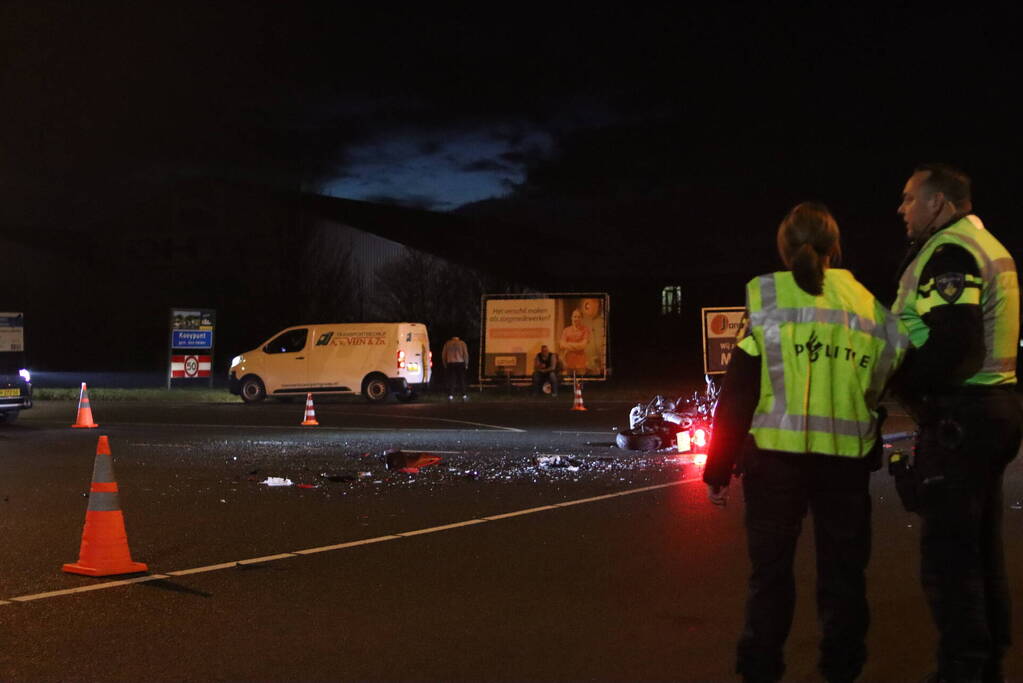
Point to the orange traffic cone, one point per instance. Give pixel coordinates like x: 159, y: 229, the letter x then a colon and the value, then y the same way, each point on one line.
x: 84, y: 419
x: 104, y: 548
x: 577, y: 401
x: 310, y: 414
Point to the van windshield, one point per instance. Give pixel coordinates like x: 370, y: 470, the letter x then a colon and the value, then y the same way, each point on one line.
x: 289, y: 342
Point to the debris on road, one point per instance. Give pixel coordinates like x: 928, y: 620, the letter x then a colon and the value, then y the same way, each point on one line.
x: 277, y: 481
x: 337, y: 478
x: 559, y: 461
x: 409, y: 463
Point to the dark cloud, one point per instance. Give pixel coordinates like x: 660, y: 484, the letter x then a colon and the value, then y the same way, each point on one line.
x: 104, y: 100
x: 430, y: 147
x: 408, y: 201
x: 485, y: 165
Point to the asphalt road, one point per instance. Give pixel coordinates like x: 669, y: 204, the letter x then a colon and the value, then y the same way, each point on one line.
x: 533, y: 550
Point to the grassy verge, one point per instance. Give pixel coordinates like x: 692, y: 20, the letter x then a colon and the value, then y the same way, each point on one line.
x: 592, y: 391
x: 99, y: 393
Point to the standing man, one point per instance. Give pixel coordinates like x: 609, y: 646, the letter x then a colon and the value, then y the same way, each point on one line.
x: 545, y: 369
x: 455, y: 356
x: 959, y: 298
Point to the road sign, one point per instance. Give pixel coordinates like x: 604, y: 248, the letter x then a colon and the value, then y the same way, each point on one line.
x: 720, y: 328
x: 191, y: 332
x: 191, y: 366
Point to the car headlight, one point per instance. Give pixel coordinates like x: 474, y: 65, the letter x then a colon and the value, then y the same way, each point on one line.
x: 237, y: 360
x: 26, y: 375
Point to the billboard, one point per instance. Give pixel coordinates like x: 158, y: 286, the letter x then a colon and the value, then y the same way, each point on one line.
x: 721, y: 327
x: 12, y: 332
x: 574, y: 326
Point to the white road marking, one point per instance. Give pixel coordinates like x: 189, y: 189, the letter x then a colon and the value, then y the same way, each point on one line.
x: 265, y: 559
x: 446, y: 419
x: 444, y: 527
x: 517, y: 513
x: 93, y: 587
x: 350, y: 544
x: 320, y: 428
x: 201, y: 570
x: 339, y: 546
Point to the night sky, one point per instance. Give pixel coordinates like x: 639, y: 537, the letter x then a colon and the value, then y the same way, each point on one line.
x: 641, y: 124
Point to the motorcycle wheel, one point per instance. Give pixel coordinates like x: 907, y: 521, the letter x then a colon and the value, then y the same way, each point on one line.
x: 638, y: 442
x: 647, y: 442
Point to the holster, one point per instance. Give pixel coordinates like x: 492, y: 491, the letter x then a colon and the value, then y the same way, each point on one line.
x: 907, y: 481
x: 923, y: 480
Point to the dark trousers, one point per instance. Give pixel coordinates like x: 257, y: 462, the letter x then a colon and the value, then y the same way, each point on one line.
x: 964, y: 444
x: 779, y: 489
x: 539, y: 377
x: 454, y: 373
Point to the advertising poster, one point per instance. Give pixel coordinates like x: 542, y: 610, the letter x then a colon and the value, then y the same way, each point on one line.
x: 12, y: 332
x: 721, y: 327
x: 574, y: 326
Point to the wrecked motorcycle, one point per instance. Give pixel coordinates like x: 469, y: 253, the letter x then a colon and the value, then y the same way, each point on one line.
x: 684, y: 423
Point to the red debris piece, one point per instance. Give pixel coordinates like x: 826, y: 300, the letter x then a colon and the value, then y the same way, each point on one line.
x: 410, y: 463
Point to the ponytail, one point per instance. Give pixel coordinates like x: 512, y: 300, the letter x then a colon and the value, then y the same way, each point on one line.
x: 808, y: 270
x: 808, y: 243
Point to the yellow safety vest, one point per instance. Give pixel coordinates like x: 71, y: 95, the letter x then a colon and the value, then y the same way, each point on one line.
x: 825, y: 362
x: 996, y: 291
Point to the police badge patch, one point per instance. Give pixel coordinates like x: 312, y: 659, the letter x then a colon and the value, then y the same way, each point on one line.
x: 950, y: 285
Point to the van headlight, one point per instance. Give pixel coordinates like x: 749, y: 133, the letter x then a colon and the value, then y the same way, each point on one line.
x: 25, y: 375
x: 237, y: 360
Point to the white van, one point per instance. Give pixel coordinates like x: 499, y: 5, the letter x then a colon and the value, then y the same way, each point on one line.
x: 375, y: 359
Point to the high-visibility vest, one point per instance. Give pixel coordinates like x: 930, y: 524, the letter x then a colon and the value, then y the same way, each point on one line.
x: 996, y: 291
x: 824, y: 363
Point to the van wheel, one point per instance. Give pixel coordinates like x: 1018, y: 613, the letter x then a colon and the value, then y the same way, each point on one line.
x: 375, y: 388
x: 252, y: 389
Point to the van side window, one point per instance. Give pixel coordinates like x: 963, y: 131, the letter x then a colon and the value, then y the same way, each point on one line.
x: 289, y: 342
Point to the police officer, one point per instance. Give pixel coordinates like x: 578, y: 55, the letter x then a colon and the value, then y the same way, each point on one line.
x: 804, y: 383
x: 959, y: 298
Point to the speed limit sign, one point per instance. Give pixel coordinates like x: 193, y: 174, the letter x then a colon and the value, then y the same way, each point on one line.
x: 191, y: 366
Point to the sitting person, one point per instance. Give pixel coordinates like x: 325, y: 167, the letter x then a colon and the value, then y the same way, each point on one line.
x: 545, y: 369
